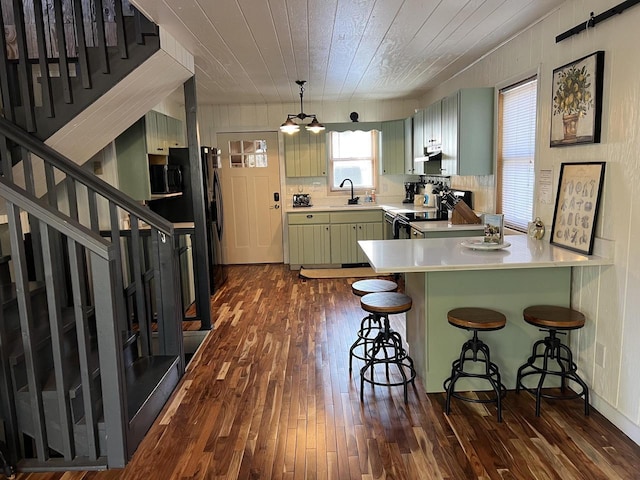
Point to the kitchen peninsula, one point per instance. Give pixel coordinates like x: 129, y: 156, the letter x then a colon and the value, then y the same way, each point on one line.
x: 441, y: 274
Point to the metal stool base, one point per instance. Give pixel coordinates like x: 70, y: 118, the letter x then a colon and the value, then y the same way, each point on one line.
x: 554, y: 350
x: 389, y: 343
x: 369, y: 328
x: 474, y: 346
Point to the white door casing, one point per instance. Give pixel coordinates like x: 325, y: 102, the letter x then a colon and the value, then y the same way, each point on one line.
x: 250, y: 178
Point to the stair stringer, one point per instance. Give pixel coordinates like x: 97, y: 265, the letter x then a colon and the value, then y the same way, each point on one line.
x: 106, y: 118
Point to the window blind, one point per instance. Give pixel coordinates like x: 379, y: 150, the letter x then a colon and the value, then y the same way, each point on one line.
x: 517, y: 151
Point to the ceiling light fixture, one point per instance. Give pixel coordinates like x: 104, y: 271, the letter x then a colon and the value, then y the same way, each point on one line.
x: 290, y: 127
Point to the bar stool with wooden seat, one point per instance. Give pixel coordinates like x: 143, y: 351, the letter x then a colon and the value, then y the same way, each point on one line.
x: 557, y: 359
x: 370, y: 325
x: 475, y: 320
x: 386, y: 348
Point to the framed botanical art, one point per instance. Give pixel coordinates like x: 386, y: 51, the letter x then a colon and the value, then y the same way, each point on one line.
x: 576, y: 113
x: 577, y: 203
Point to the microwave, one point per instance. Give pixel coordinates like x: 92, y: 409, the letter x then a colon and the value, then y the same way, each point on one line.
x: 165, y: 179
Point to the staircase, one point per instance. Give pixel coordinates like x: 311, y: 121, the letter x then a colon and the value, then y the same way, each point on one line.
x: 80, y: 379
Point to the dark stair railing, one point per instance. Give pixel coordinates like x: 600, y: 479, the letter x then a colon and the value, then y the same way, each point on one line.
x: 83, y: 372
x: 80, y: 378
x: 100, y: 42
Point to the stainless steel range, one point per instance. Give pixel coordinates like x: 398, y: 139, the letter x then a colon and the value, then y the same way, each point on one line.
x: 397, y: 223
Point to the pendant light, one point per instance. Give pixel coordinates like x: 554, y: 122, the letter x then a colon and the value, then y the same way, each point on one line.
x: 290, y: 127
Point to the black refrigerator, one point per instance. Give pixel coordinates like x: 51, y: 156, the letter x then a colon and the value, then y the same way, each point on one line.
x: 180, y: 209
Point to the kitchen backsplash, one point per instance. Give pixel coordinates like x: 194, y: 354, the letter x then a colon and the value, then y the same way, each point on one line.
x: 391, y: 190
x: 483, y: 188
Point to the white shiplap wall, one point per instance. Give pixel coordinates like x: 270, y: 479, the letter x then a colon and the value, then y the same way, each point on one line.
x: 608, y: 295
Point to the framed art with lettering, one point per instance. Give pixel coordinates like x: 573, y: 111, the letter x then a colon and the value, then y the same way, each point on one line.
x: 577, y: 203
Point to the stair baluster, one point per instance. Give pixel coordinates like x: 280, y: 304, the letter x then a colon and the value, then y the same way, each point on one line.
x: 102, y: 37
x: 120, y: 31
x: 5, y: 69
x: 45, y: 75
x: 63, y: 58
x: 51, y: 261
x: 81, y: 46
x: 24, y: 68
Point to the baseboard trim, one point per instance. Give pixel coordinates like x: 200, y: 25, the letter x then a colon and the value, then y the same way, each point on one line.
x: 629, y: 428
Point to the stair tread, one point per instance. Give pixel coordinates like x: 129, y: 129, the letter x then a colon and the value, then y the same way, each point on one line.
x: 42, y: 334
x: 8, y: 292
x: 142, y: 378
x: 71, y: 367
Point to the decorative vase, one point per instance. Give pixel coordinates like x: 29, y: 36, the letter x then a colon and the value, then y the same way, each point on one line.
x: 570, y: 124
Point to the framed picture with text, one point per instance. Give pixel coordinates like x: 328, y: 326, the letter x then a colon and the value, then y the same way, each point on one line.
x: 577, y: 203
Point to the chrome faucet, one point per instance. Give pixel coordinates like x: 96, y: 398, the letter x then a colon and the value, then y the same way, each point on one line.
x: 353, y: 200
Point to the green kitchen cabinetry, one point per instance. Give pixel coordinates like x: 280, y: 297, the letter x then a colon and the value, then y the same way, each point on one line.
x: 427, y: 131
x: 347, y: 228
x: 132, y: 162
x: 162, y: 132
x: 309, y: 239
x: 408, y: 146
x: 392, y: 151
x: 417, y: 168
x: 323, y: 238
x: 467, y: 132
x: 305, y: 154
x: 147, y: 140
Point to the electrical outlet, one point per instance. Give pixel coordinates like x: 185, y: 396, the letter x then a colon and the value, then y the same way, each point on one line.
x: 600, y: 354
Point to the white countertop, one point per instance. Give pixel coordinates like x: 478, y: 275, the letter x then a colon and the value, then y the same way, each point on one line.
x: 398, y: 207
x: 447, y: 254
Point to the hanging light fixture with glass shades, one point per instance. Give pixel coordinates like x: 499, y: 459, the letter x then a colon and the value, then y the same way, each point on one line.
x: 290, y: 127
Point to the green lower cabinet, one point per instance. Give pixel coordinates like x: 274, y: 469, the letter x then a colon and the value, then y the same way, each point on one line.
x: 368, y: 231
x: 322, y: 238
x: 344, y: 243
x: 309, y: 244
x: 345, y: 237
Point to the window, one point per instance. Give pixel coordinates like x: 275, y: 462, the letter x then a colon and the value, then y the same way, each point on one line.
x: 352, y: 154
x: 516, y: 144
x: 252, y: 154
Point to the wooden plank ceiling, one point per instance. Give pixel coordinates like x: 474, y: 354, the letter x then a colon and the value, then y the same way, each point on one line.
x: 252, y: 51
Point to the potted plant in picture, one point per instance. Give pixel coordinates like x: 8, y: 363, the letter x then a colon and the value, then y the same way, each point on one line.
x: 572, y: 98
x: 577, y: 101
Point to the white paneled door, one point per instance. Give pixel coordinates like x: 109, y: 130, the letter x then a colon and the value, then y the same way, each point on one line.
x: 250, y: 177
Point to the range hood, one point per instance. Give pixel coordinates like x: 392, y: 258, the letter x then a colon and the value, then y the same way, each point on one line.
x: 430, y: 153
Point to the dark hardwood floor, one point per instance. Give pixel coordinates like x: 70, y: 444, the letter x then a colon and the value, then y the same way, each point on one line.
x: 269, y: 396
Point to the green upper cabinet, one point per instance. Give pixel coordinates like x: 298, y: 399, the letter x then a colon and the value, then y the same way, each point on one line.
x: 162, y: 132
x: 432, y: 135
x: 150, y: 136
x: 132, y: 162
x: 467, y: 132
x: 305, y: 154
x: 408, y: 146
x: 433, y: 124
x: 175, y: 133
x: 418, y: 142
x: 392, y: 151
x: 427, y: 130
